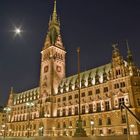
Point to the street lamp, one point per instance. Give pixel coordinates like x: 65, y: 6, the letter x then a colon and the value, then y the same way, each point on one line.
x: 3, y: 130
x: 132, y: 128
x: 29, y: 105
x: 92, y: 129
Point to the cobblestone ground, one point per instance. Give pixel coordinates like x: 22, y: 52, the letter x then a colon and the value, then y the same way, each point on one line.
x: 73, y: 138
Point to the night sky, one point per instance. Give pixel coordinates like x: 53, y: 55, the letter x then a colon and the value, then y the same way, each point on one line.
x: 92, y: 25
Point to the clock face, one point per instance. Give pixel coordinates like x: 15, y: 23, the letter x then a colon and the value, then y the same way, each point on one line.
x: 58, y: 68
x: 46, y: 69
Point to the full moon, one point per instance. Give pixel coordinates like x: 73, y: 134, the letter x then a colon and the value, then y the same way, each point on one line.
x: 17, y: 31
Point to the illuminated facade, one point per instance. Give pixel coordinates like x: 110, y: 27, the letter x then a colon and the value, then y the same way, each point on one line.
x: 52, y: 108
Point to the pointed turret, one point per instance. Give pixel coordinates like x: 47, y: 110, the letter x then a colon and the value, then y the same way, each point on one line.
x: 129, y: 54
x: 54, y: 15
x: 10, y: 100
x: 53, y: 36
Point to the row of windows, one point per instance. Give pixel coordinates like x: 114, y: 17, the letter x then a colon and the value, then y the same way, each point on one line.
x: 35, y: 93
x: 23, y: 127
x: 84, y: 122
x: 17, y: 101
x: 91, y: 109
x: 119, y: 85
x: 82, y: 94
x: 24, y: 117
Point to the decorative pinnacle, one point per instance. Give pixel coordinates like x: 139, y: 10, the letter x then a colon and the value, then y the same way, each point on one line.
x: 54, y: 16
x: 115, y: 46
x: 11, y: 91
x: 128, y: 49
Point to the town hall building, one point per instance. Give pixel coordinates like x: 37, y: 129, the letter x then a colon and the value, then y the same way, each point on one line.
x: 51, y: 109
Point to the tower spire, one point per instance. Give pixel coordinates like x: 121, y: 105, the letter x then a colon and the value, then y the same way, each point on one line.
x: 54, y: 15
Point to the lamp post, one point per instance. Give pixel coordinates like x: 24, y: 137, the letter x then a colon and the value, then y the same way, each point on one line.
x: 80, y: 132
x: 3, y: 130
x: 29, y: 105
x: 92, y: 124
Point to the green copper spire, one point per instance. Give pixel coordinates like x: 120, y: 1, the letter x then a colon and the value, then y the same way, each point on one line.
x: 54, y: 15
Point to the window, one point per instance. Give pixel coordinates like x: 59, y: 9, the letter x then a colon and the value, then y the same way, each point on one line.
x: 125, y: 130
x: 58, y: 100
x: 122, y: 84
x: 108, y: 122
x: 64, y: 112
x: 84, y: 122
x: 83, y: 94
x: 105, y: 89
x: 64, y: 125
x: 64, y: 98
x: 98, y: 107
x: 76, y: 95
x: 83, y: 109
x: 107, y: 106
x: 97, y: 91
x: 116, y: 86
x: 100, y: 121
x: 118, y: 72
x: 90, y: 108
x: 70, y: 123
x: 58, y: 113
x: 58, y: 125
x: 138, y: 101
x: 76, y: 110
x: 123, y: 119
x: 89, y: 93
x: 121, y: 101
x: 70, y: 112
x: 70, y: 97
x: 45, y: 69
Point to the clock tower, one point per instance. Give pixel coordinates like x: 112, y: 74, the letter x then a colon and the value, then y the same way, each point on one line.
x: 52, y: 59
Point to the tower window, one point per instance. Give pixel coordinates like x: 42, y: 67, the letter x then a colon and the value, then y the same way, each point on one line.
x: 45, y: 69
x: 83, y: 94
x: 118, y: 72
x: 105, y: 89
x: 97, y: 91
x: 89, y: 93
x: 70, y: 97
x: 64, y: 98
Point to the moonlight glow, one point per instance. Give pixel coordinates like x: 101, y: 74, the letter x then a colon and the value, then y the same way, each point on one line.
x: 18, y: 31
